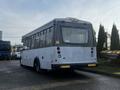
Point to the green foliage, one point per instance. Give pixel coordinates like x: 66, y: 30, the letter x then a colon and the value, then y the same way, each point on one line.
x: 105, y: 43
x: 115, y: 42
x: 101, y: 40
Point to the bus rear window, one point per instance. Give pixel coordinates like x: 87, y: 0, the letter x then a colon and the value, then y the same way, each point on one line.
x: 75, y: 35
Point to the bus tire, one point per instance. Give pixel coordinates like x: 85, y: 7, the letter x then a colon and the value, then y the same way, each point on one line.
x: 37, y: 65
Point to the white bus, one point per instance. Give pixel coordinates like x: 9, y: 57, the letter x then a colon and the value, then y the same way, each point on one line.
x: 61, y: 43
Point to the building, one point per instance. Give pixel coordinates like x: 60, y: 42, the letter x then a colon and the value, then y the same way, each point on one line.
x: 0, y: 35
x: 5, y: 50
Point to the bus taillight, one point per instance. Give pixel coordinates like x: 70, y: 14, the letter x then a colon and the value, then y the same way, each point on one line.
x: 58, y: 52
x: 58, y: 48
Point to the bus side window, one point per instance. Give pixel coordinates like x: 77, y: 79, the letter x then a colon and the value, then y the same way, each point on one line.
x: 40, y: 43
x: 25, y: 42
x: 28, y: 43
x: 32, y: 44
x: 35, y: 36
x: 47, y: 38
x: 45, y: 32
x: 36, y: 41
x: 42, y: 38
x: 50, y: 36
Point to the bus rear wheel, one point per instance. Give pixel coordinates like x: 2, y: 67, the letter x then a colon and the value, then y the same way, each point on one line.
x: 37, y: 65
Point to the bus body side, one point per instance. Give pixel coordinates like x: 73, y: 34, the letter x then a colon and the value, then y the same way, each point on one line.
x: 45, y: 55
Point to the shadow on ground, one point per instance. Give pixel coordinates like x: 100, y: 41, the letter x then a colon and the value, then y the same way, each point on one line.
x: 60, y: 75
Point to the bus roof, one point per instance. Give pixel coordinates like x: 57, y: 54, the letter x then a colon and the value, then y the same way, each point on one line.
x: 72, y: 20
x: 51, y: 23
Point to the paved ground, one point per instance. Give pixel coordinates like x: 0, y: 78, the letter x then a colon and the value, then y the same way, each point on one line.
x: 14, y: 77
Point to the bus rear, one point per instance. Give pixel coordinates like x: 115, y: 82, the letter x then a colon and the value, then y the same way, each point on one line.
x: 75, y: 45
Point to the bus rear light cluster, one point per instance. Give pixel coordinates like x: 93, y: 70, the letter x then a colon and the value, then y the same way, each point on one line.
x: 58, y: 51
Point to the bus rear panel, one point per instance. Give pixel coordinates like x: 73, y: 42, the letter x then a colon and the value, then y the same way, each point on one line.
x: 75, y: 45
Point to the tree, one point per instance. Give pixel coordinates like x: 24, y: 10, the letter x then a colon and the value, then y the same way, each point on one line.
x: 105, y: 45
x: 101, y: 40
x: 115, y: 42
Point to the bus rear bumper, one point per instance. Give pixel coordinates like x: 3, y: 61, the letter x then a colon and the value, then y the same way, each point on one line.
x: 73, y: 66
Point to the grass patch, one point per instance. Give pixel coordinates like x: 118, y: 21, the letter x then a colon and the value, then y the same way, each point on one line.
x: 107, y: 66
x: 107, y: 69
x: 109, y: 62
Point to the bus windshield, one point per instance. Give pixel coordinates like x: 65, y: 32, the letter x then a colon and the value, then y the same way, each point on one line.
x: 75, y: 35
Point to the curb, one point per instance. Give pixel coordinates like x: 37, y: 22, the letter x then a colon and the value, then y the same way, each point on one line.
x: 101, y: 72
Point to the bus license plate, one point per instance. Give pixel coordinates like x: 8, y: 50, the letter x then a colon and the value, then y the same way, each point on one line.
x: 65, y: 66
x: 91, y: 65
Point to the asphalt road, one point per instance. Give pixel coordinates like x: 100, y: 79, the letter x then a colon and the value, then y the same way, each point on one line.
x: 14, y: 77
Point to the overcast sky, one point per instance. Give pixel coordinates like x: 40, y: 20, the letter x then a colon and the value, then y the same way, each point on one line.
x: 18, y: 17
